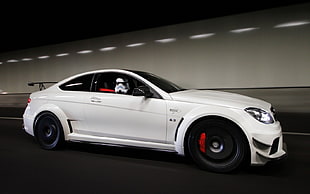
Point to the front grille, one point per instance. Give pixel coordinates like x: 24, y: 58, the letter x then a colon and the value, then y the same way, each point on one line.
x: 275, y: 145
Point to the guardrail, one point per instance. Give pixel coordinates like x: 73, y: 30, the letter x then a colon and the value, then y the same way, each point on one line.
x: 292, y: 104
x: 17, y: 100
x: 284, y: 99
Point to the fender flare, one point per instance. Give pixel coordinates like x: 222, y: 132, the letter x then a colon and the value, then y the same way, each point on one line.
x: 199, y: 113
x: 62, y: 117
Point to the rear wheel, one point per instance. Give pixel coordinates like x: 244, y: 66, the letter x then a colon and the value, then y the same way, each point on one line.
x: 217, y: 145
x: 48, y: 131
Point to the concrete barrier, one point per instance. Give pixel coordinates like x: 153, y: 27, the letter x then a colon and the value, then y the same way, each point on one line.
x: 292, y: 105
x: 17, y: 100
x: 295, y: 100
x: 286, y: 99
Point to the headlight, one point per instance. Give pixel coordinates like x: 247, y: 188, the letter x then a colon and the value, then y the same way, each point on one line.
x: 260, y: 115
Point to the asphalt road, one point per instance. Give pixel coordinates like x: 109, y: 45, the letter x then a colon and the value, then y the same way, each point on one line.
x: 82, y: 168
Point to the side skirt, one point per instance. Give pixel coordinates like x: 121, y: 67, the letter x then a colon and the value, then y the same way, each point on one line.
x: 74, y: 137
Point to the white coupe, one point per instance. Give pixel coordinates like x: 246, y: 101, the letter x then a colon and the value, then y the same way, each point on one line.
x: 220, y: 131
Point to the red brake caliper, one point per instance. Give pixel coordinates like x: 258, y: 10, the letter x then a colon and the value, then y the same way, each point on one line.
x: 202, y: 142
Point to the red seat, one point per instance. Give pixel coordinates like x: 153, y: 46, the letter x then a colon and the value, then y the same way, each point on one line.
x: 106, y: 90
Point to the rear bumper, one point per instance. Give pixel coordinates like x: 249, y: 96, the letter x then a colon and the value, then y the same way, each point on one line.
x: 28, y: 123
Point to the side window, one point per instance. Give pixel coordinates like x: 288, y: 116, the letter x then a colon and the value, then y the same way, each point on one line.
x: 115, y: 83
x: 82, y: 83
x: 104, y: 82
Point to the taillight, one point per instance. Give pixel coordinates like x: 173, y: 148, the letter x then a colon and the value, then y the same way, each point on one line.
x: 29, y: 100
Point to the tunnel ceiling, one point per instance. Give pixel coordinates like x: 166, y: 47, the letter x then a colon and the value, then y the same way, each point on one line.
x: 25, y: 25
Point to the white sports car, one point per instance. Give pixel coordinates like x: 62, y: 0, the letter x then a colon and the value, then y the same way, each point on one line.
x: 219, y: 130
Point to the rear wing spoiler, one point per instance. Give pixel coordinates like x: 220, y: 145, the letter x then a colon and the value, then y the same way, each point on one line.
x: 41, y: 84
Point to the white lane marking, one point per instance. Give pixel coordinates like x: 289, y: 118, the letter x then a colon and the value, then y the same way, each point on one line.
x: 296, y: 133
x: 11, y: 118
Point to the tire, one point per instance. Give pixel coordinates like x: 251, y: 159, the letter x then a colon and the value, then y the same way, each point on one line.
x: 217, y: 145
x: 49, y: 131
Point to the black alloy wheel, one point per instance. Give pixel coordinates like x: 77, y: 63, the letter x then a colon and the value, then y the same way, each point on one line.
x: 48, y: 131
x: 217, y: 145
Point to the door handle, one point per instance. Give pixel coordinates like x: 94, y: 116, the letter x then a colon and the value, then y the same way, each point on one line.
x: 95, y: 99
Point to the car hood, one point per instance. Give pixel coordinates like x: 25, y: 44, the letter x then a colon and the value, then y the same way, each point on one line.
x: 219, y: 98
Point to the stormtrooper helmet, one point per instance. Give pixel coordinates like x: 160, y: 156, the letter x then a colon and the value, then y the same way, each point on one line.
x: 122, y: 86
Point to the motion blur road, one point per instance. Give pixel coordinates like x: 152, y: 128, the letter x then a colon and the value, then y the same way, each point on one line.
x: 83, y: 168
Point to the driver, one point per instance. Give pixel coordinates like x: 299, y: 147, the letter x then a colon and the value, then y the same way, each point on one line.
x: 122, y: 86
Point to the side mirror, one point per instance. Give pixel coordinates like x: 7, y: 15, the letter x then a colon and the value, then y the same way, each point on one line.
x: 142, y: 91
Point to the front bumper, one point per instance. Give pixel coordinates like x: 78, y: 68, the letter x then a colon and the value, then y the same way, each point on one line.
x: 281, y: 156
x: 264, y: 153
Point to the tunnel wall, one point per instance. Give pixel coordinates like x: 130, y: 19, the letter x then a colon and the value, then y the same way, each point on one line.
x: 246, y: 50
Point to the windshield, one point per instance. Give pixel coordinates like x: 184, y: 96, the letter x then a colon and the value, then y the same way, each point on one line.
x: 163, y: 84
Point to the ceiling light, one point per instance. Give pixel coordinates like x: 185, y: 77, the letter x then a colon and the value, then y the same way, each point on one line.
x: 292, y: 24
x: 26, y: 59
x: 166, y: 40
x: 12, y: 61
x: 84, y: 51
x: 62, y: 54
x: 136, y: 44
x: 43, y: 57
x: 241, y: 30
x: 107, y: 49
x: 198, y: 36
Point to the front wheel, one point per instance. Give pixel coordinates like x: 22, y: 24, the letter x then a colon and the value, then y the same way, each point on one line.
x: 217, y: 145
x: 49, y: 131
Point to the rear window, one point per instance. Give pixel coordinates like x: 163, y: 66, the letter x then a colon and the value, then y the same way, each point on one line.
x: 82, y: 83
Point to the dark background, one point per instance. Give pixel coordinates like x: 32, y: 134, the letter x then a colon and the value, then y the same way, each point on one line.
x: 25, y: 24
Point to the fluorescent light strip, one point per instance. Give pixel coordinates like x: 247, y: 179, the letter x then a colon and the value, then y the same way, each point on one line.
x: 292, y: 24
x: 62, y: 54
x: 27, y: 59
x: 166, y: 40
x: 136, y: 44
x: 199, y: 36
x: 12, y: 61
x: 241, y: 30
x: 107, y: 48
x: 1, y: 63
x: 84, y: 52
x: 43, y: 57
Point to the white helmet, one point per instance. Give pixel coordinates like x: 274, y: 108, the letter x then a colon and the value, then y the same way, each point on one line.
x: 122, y: 86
